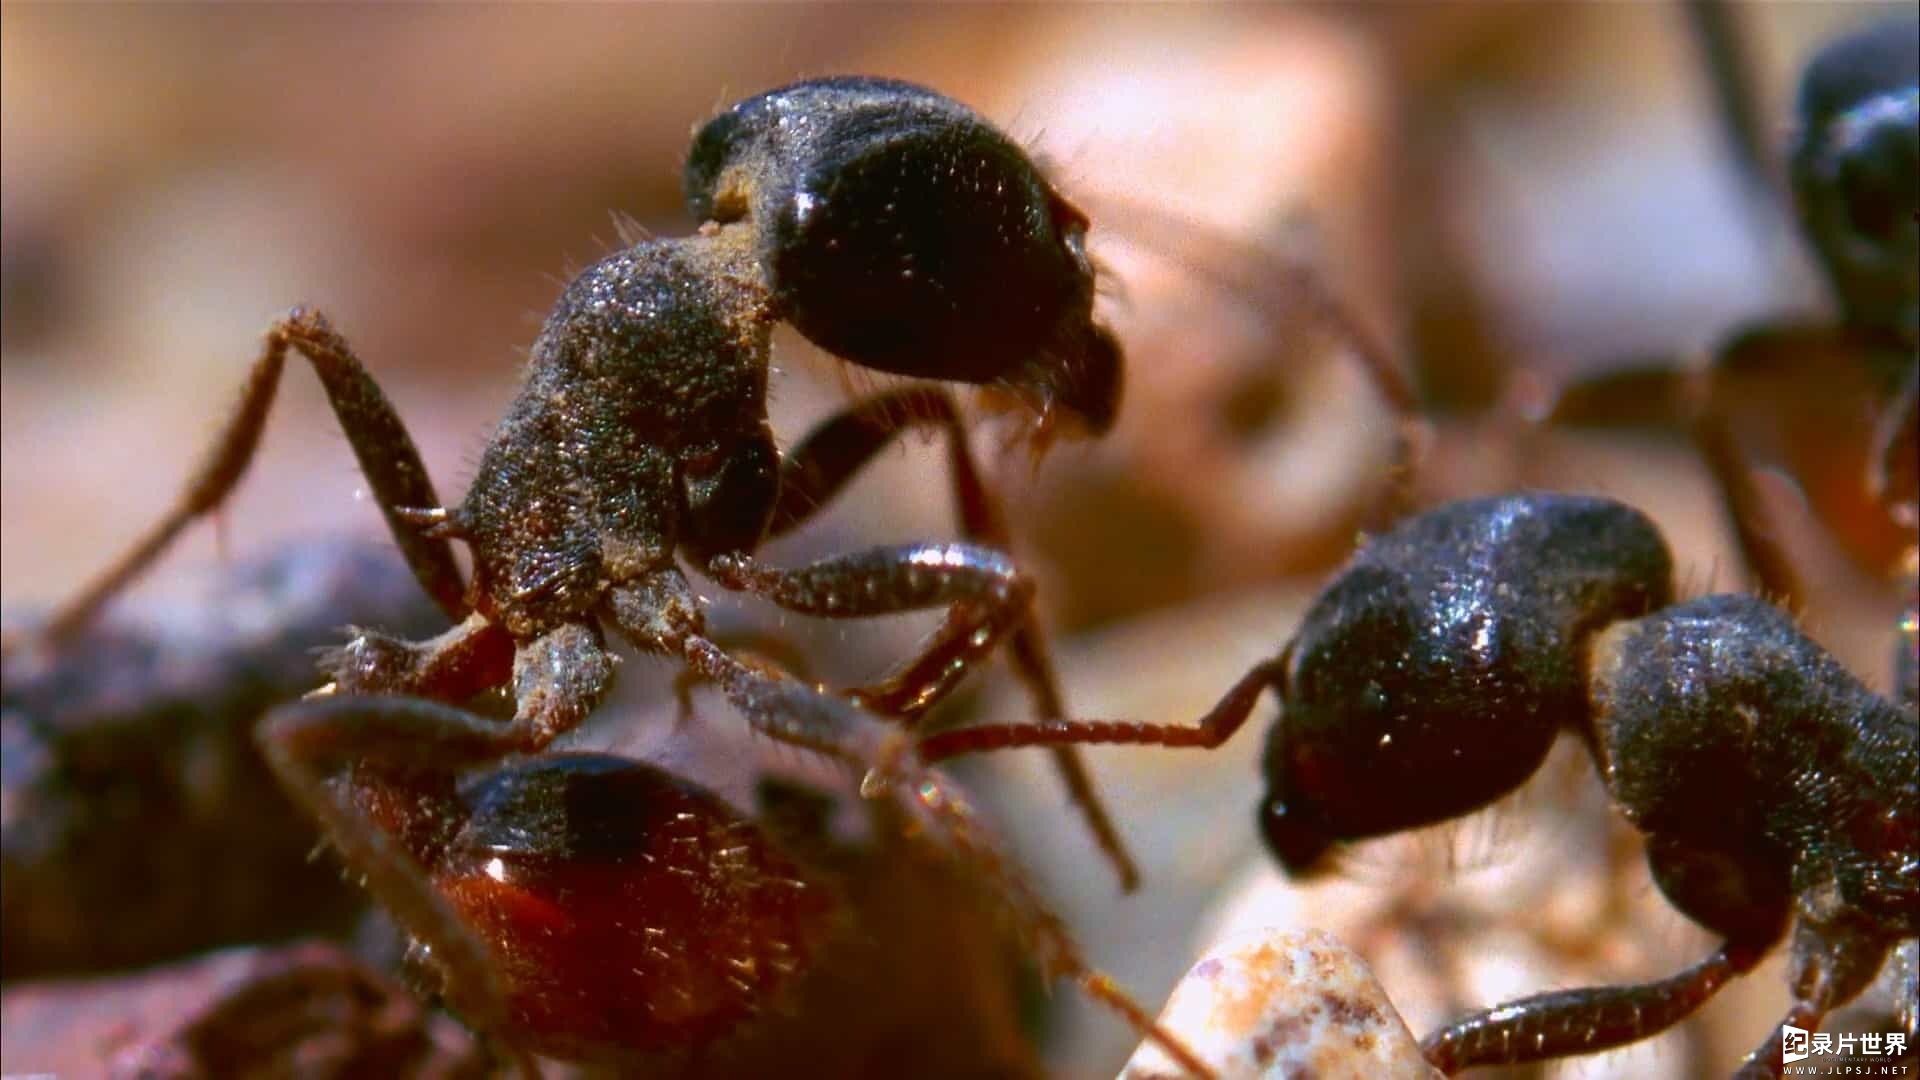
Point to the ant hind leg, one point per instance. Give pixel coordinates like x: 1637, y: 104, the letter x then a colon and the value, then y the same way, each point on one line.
x: 308, y: 742
x: 803, y: 716
x: 380, y: 441
x: 832, y: 455
x: 1565, y: 1023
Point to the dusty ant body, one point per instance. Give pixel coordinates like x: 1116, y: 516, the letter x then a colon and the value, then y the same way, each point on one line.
x: 1778, y: 795
x: 888, y: 224
x: 130, y: 766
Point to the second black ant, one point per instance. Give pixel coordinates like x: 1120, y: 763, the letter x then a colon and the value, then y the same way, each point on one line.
x: 1780, y: 797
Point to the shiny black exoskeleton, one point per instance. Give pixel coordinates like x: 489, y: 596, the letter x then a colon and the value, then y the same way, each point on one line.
x: 1778, y: 795
x: 1466, y: 617
x: 904, y: 233
x: 1856, y: 175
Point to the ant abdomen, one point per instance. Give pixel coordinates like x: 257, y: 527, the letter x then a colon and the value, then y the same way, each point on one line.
x: 629, y: 912
x: 900, y: 231
x: 1432, y: 676
x: 1708, y: 719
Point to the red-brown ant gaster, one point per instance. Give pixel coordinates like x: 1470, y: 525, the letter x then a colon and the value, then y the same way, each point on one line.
x: 893, y: 227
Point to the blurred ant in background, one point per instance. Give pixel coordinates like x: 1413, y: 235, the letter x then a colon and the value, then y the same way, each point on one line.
x: 894, y: 228
x: 1776, y: 791
x: 1855, y: 175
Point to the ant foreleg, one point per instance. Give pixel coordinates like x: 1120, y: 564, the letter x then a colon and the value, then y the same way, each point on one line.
x: 824, y: 723
x: 831, y: 455
x: 765, y: 651
x: 1569, y: 1022
x: 388, y: 458
x: 306, y: 742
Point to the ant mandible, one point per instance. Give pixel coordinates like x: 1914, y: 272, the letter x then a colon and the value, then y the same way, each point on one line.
x: 890, y: 225
x: 1776, y: 792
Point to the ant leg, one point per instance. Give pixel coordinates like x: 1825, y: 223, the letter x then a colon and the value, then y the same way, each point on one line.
x: 1891, y: 474
x: 1727, y: 54
x: 1761, y: 545
x: 306, y: 742
x: 380, y: 441
x: 1768, y: 1058
x: 768, y: 653
x: 1673, y: 393
x: 465, y: 660
x: 1662, y: 391
x: 803, y: 716
x: 1216, y: 727
x: 1566, y: 1023
x: 834, y: 452
x: 823, y: 462
x: 1894, y: 482
x: 1830, y: 965
x: 558, y: 678
x: 986, y: 598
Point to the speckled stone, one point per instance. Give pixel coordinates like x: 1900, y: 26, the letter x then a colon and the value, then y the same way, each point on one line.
x: 1278, y: 1003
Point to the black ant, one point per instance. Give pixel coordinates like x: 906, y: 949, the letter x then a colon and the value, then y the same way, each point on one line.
x: 130, y: 766
x: 893, y: 227
x: 1855, y: 172
x: 1776, y: 792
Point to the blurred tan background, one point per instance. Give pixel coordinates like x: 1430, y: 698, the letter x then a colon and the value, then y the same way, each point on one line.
x: 1487, y: 188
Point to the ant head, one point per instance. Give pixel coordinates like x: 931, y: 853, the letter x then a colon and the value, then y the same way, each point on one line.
x: 900, y: 231
x: 1856, y: 171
